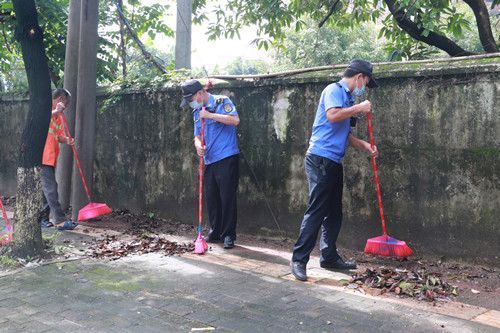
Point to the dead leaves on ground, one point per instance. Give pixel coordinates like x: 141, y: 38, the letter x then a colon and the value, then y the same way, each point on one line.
x: 112, y: 248
x: 417, y: 283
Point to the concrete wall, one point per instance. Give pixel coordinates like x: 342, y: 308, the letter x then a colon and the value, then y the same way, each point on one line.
x: 436, y: 125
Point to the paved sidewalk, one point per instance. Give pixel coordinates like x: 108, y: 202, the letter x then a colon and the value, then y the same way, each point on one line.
x: 245, y: 289
x: 154, y: 293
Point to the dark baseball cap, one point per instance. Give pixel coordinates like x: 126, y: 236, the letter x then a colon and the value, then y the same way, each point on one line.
x: 189, y: 89
x: 364, y: 67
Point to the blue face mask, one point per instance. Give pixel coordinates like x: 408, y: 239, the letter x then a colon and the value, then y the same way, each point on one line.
x: 358, y: 92
x: 196, y: 105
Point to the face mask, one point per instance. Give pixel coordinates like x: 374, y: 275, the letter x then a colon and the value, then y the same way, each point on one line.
x: 358, y: 92
x: 195, y: 104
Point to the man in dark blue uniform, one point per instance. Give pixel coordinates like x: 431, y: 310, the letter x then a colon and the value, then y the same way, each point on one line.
x: 221, y: 157
x: 330, y: 137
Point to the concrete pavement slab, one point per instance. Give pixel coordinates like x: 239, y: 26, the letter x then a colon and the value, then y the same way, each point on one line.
x: 154, y: 293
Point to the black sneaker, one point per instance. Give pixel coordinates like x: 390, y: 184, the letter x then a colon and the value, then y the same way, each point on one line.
x: 228, y: 242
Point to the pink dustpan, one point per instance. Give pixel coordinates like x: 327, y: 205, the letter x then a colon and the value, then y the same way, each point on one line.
x: 5, y: 233
x: 93, y: 210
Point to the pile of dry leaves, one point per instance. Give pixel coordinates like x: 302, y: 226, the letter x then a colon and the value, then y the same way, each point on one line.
x: 112, y: 248
x: 416, y: 283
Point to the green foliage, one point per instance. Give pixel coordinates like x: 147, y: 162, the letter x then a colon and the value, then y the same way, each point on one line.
x: 277, y: 21
x: 146, y: 20
x: 51, y: 243
x: 313, y: 46
x: 246, y: 67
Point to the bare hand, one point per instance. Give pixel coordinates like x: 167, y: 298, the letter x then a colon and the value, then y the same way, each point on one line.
x: 200, y: 151
x: 72, y: 142
x: 365, y: 106
x: 205, y: 114
x: 373, y: 151
x: 60, y: 107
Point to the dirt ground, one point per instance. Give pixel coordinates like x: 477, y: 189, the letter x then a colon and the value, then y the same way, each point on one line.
x: 423, y: 279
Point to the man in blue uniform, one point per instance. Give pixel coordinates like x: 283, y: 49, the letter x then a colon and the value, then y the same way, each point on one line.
x: 221, y: 157
x: 330, y: 137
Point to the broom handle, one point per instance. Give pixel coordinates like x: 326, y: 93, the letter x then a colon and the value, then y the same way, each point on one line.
x: 76, y: 156
x: 379, y: 196
x: 201, y: 171
x: 4, y: 214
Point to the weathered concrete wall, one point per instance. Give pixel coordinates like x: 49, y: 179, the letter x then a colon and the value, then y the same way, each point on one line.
x: 436, y: 124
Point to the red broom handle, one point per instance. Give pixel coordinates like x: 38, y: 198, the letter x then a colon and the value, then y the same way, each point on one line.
x: 201, y: 170
x: 370, y: 129
x: 4, y: 214
x: 76, y: 156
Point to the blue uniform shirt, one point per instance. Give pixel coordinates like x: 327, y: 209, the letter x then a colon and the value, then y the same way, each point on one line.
x: 328, y: 139
x: 220, y: 139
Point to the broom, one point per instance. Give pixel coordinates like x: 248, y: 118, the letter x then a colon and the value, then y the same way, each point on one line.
x: 92, y: 210
x: 5, y: 233
x: 383, y: 245
x: 200, y: 245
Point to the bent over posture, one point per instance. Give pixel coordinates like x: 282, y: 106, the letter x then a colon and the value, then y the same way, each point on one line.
x: 221, y: 157
x: 330, y: 137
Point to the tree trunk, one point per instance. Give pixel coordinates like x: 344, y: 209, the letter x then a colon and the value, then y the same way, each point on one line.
x: 86, y: 103
x: 183, y: 35
x: 66, y: 158
x: 483, y: 25
x: 434, y: 39
x: 27, y: 234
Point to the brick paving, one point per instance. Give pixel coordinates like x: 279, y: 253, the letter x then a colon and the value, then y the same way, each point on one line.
x: 241, y: 290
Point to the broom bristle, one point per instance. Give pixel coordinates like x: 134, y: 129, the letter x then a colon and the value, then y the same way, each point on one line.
x: 93, y: 210
x: 199, y: 248
x: 387, y: 246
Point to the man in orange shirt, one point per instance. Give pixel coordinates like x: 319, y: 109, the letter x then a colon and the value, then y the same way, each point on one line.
x: 56, y: 135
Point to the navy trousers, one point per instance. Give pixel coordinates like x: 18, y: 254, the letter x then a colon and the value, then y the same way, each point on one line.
x: 325, y: 179
x: 221, y: 184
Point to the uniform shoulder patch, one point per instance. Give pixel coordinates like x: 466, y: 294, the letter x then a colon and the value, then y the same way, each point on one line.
x: 228, y: 108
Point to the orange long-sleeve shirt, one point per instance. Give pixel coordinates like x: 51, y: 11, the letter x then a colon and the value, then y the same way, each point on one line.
x: 51, y: 150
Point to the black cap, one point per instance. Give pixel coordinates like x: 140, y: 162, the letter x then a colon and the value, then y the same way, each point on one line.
x: 364, y: 67
x: 189, y: 89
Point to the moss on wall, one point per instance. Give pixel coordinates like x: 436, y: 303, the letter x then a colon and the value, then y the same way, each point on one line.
x: 436, y: 124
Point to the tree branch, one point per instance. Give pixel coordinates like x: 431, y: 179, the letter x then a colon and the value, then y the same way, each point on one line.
x: 434, y: 39
x: 483, y: 25
x: 320, y: 24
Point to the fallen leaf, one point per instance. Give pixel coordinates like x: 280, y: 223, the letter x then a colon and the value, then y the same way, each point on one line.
x: 474, y: 291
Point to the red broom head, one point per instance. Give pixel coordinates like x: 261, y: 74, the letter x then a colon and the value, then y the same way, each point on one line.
x: 6, y: 235
x: 387, y: 246
x: 93, y: 210
x: 199, y: 248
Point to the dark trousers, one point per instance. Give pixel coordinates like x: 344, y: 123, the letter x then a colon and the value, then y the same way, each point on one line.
x: 50, y: 197
x: 325, y: 179
x: 221, y: 184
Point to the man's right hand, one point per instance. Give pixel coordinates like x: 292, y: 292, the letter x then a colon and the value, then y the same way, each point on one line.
x: 365, y: 106
x: 200, y: 151
x: 59, y: 108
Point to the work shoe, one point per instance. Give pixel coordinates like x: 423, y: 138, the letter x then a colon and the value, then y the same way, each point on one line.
x: 338, y: 264
x: 228, y: 242
x: 299, y: 270
x: 212, y: 239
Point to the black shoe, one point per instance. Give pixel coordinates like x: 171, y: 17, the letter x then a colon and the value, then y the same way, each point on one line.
x: 211, y: 239
x: 228, y: 242
x: 339, y: 264
x: 299, y: 270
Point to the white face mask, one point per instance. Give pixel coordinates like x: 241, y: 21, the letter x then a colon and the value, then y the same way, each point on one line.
x: 195, y: 104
